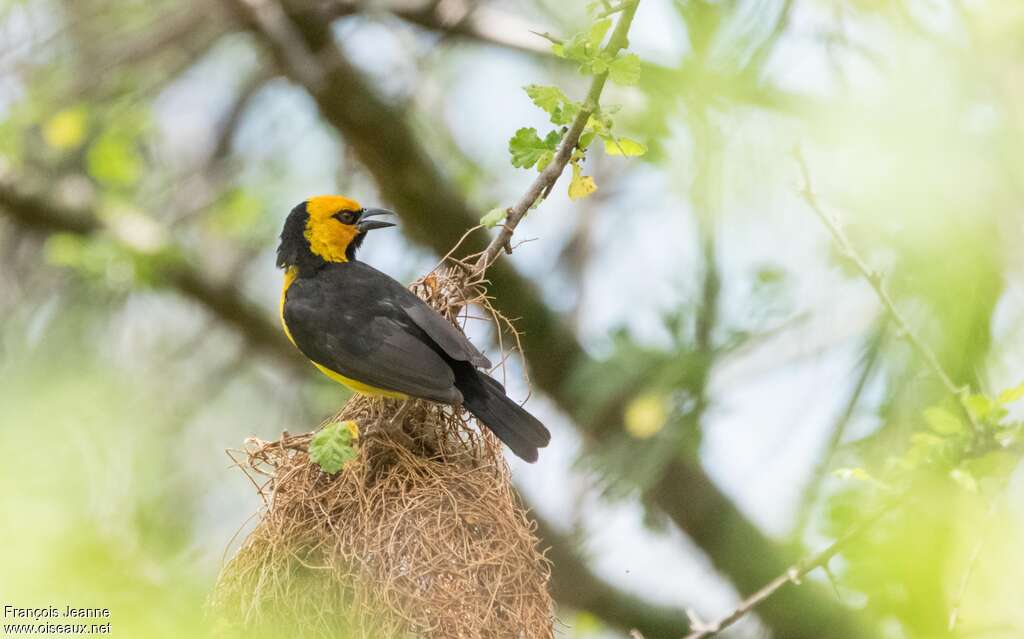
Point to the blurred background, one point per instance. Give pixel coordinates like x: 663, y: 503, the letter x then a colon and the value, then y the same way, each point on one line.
x: 704, y: 357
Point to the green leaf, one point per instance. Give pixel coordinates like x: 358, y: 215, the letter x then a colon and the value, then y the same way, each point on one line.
x: 623, y: 146
x: 980, y: 406
x: 998, y: 464
x: 552, y: 100
x: 546, y: 97
x: 597, y: 31
x: 852, y: 473
x: 965, y: 479
x: 585, y: 140
x: 585, y: 48
x: 600, y: 124
x: 625, y: 69
x: 494, y: 217
x: 331, y: 448
x: 527, y: 149
x: 1011, y: 395
x: 114, y: 160
x: 942, y: 421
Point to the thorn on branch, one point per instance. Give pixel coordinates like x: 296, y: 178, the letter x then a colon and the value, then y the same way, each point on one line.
x: 547, y: 36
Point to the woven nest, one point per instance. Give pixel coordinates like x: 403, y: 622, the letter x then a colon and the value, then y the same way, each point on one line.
x: 421, y: 535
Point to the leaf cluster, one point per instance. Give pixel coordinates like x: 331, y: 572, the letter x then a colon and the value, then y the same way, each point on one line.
x: 588, y: 50
x: 978, y: 459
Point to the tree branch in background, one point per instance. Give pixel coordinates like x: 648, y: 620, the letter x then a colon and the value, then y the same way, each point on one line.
x: 821, y: 559
x: 874, y: 278
x: 544, y: 182
x: 435, y: 215
x: 472, y: 21
x: 250, y: 87
x: 795, y: 573
x: 41, y: 215
x: 813, y: 487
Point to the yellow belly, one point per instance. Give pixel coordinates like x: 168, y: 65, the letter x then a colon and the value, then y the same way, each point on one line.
x: 357, y: 386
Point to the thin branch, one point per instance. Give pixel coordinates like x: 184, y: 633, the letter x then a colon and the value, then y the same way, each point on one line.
x: 795, y: 573
x: 874, y: 278
x: 954, y: 614
x: 814, y: 484
x: 547, y: 178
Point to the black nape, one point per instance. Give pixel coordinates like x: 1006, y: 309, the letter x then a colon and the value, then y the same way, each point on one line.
x: 294, y: 247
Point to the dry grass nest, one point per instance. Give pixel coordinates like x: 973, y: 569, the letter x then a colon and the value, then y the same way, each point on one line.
x: 421, y: 535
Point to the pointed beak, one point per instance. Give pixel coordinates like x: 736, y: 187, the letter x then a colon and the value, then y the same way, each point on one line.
x: 368, y: 225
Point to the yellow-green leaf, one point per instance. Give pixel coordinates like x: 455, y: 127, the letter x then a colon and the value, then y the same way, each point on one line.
x: 625, y: 69
x: 581, y: 185
x: 1011, y: 395
x: 965, y: 479
x: 66, y: 130
x: 624, y: 146
x: 852, y: 473
x: 646, y: 415
x: 332, y: 447
x: 494, y: 217
x: 597, y: 31
x: 979, y: 405
x: 942, y: 421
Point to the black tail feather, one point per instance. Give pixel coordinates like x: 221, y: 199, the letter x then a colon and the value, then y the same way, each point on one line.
x: 485, y: 398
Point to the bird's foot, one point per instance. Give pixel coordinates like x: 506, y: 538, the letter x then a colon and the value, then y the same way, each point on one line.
x: 393, y: 428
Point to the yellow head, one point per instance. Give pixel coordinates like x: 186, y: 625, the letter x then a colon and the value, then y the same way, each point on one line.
x: 325, y: 228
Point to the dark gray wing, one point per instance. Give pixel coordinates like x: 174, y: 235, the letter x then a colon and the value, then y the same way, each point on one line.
x: 370, y: 347
x: 450, y: 339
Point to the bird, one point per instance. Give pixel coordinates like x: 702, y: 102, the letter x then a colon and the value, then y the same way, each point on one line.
x: 365, y: 330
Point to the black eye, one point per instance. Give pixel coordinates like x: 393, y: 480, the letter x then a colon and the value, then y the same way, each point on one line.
x: 346, y: 217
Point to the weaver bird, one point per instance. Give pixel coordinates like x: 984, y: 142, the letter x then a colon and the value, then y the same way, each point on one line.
x: 365, y: 330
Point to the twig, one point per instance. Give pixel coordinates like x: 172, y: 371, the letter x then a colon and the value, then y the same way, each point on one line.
x: 874, y: 278
x: 954, y: 613
x: 547, y: 178
x: 796, y: 572
x: 814, y: 485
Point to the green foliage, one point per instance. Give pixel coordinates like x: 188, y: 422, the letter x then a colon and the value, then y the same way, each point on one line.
x: 623, y: 146
x: 101, y: 259
x: 951, y: 447
x: 494, y: 217
x: 587, y: 50
x: 332, y: 447
x: 114, y: 158
x: 584, y: 48
x: 529, y: 150
x: 241, y: 214
x: 625, y: 69
x: 554, y: 102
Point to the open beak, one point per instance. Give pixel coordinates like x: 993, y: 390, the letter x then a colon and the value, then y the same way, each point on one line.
x: 368, y: 225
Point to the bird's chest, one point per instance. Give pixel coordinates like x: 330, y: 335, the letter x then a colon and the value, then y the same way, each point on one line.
x: 289, y: 279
